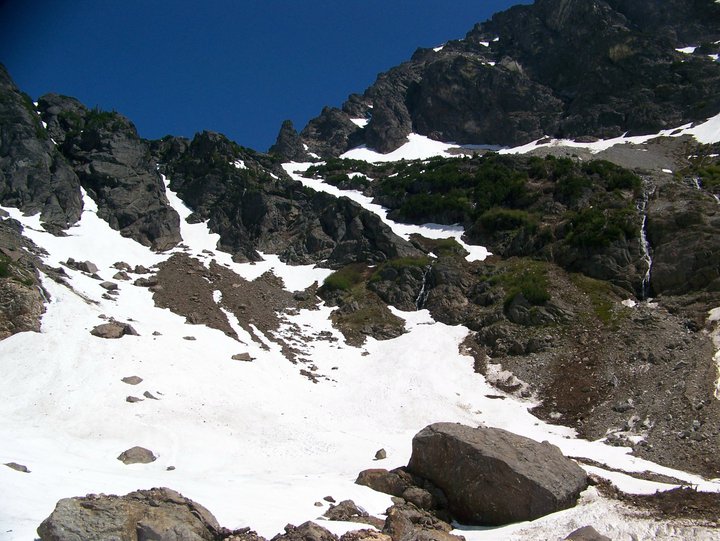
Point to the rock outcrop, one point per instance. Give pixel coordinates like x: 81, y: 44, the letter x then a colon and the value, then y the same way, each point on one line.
x: 252, y: 203
x: 22, y: 296
x: 565, y: 68
x: 115, y: 167
x: 113, y: 330
x: 494, y: 477
x: 145, y: 515
x: 34, y: 176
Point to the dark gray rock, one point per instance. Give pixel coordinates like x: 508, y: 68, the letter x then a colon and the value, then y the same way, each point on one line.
x: 34, y: 176
x: 260, y: 208
x: 115, y: 166
x: 559, y: 67
x: 159, y: 514
x: 132, y: 380
x: 288, y: 146
x: 84, y: 266
x: 17, y: 467
x: 405, y: 522
x: 346, y: 510
x: 137, y: 455
x: 330, y: 134
x: 307, y: 531
x: 587, y: 533
x: 494, y: 477
x: 22, y: 297
x: 113, y: 330
x: 389, y: 482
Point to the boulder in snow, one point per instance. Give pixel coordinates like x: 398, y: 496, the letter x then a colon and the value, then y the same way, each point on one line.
x: 113, y: 330
x: 157, y: 514
x: 137, y: 455
x: 493, y: 477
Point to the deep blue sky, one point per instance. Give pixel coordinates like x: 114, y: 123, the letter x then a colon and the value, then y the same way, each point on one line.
x: 239, y: 67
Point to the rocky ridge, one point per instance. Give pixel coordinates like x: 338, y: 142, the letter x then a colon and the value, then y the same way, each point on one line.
x: 564, y: 68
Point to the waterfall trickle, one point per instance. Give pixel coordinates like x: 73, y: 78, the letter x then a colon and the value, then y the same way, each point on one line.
x: 642, y: 207
x: 422, y: 296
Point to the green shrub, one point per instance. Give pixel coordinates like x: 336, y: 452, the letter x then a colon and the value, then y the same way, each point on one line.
x: 500, y: 219
x: 346, y: 278
x: 4, y: 267
x: 526, y: 277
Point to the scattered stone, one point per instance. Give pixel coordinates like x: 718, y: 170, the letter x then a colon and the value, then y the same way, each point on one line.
x: 170, y: 468
x: 157, y: 333
x: 381, y: 454
x: 407, y: 522
x: 419, y: 497
x: 243, y: 357
x: 152, y: 281
x: 140, y: 269
x: 319, y: 504
x: 122, y: 275
x: 132, y: 380
x: 587, y: 533
x: 17, y: 467
x: 346, y: 510
x: 387, y: 482
x: 308, y: 531
x: 365, y: 535
x: 493, y: 477
x: 83, y: 266
x: 145, y: 515
x: 189, y: 338
x: 148, y: 394
x: 133, y: 399
x: 329, y: 499
x: 137, y: 455
x: 122, y: 266
x: 113, y: 330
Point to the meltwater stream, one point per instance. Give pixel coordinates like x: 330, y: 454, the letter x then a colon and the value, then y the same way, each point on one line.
x: 642, y: 206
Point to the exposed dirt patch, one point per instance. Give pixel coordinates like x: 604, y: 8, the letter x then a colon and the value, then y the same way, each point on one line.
x: 190, y: 289
x: 684, y: 503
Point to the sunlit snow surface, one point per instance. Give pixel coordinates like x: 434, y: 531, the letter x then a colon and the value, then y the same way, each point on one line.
x: 256, y: 443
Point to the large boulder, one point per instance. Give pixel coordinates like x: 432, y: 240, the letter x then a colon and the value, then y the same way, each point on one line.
x: 159, y: 514
x: 493, y: 477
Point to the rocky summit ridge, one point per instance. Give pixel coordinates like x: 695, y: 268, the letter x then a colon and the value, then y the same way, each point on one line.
x: 559, y: 68
x: 598, y: 308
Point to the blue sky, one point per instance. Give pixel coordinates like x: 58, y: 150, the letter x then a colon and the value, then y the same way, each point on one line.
x: 234, y: 66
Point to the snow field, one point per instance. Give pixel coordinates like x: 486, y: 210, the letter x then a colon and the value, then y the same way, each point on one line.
x: 256, y: 443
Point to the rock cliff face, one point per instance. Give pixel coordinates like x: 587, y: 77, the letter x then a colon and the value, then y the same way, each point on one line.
x: 254, y: 206
x: 563, y: 68
x: 34, y: 176
x: 116, y: 169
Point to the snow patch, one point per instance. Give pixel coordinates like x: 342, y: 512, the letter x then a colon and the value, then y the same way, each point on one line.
x: 418, y: 147
x: 360, y: 122
x: 687, y: 50
x: 239, y: 164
